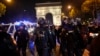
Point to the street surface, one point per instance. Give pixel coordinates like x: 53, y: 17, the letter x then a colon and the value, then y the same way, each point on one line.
x: 86, y: 53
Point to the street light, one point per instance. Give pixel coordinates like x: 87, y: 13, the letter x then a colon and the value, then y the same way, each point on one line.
x: 69, y: 7
x: 9, y: 1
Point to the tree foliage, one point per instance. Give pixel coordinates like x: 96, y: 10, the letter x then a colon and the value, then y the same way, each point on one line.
x: 74, y: 13
x: 2, y: 9
x: 88, y: 5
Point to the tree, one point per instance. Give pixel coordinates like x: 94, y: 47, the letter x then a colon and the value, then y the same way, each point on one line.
x: 90, y: 5
x: 90, y: 8
x: 74, y: 13
x: 86, y: 6
x: 2, y: 9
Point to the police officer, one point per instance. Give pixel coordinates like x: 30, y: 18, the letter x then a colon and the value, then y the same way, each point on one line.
x: 63, y: 38
x: 63, y: 44
x: 52, y: 40
x: 21, y: 36
x: 42, y: 38
x: 72, y: 38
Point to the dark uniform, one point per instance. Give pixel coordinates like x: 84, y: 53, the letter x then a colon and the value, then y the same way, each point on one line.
x: 94, y: 47
x: 72, y: 41
x: 22, y: 37
x: 84, y: 35
x: 57, y: 34
x: 42, y: 39
x: 78, y: 41
x: 94, y: 29
x: 52, y: 40
x: 63, y: 44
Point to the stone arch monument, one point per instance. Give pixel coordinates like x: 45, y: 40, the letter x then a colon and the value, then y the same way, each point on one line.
x: 50, y: 11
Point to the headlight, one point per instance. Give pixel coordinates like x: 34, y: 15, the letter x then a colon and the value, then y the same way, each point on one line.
x: 96, y: 34
x: 93, y: 34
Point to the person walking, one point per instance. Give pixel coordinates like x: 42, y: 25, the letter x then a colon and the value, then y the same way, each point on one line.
x: 21, y: 36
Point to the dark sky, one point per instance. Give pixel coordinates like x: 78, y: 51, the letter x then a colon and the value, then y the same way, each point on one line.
x: 21, y: 10
x: 24, y: 9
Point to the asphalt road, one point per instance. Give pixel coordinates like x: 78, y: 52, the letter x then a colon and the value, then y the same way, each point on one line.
x: 56, y: 53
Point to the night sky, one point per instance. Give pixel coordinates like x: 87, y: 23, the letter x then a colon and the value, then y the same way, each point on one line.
x: 19, y: 10
x: 24, y: 9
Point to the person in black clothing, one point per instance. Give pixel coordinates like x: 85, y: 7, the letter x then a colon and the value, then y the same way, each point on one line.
x: 21, y: 36
x: 52, y: 40
x: 57, y: 33
x: 42, y: 38
x: 70, y: 39
x: 93, y: 29
x: 7, y: 46
x: 94, y: 48
x: 63, y: 44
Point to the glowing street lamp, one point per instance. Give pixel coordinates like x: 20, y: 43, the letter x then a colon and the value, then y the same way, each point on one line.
x: 9, y: 1
x: 69, y: 7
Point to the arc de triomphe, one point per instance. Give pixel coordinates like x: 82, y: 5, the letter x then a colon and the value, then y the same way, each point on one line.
x: 50, y: 11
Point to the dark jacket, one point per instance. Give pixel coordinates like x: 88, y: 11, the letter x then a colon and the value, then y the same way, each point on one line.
x: 7, y: 47
x: 95, y: 47
x: 21, y: 36
x: 43, y: 41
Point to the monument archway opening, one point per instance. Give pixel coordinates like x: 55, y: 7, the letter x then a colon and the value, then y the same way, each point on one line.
x: 49, y: 18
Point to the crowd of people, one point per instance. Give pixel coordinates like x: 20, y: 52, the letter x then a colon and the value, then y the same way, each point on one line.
x: 73, y: 37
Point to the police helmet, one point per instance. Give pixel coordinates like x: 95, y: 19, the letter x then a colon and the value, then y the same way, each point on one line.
x: 22, y: 25
x: 64, y: 21
x: 41, y: 21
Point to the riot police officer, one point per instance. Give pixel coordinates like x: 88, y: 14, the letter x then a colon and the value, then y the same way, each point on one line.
x: 72, y: 38
x: 63, y: 38
x: 42, y: 38
x: 63, y: 44
x: 22, y: 36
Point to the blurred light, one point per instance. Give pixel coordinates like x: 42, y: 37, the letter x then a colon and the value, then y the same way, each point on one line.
x: 25, y: 10
x: 30, y: 30
x: 2, y: 23
x: 9, y: 1
x: 17, y: 23
x: 96, y: 34
x: 62, y: 14
x: 91, y: 34
x: 25, y: 22
x: 69, y: 6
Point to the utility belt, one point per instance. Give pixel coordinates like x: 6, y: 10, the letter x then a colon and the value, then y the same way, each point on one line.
x: 71, y: 31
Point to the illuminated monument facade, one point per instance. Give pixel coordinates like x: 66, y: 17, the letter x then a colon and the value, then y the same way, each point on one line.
x: 50, y: 11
